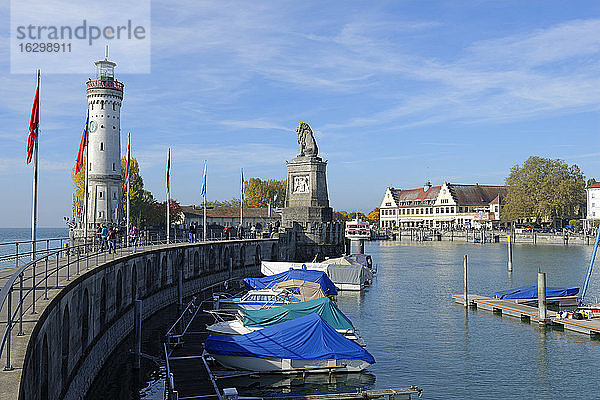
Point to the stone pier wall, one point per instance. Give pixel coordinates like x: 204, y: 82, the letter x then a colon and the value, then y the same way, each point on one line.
x: 82, y: 325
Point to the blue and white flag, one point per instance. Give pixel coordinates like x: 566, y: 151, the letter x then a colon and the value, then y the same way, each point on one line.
x: 203, y: 193
x: 242, y: 187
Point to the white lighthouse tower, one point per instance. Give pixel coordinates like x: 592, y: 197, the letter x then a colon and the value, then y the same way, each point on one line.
x: 105, y: 189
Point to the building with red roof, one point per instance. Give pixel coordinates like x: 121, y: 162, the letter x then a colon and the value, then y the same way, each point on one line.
x: 592, y: 193
x: 444, y: 206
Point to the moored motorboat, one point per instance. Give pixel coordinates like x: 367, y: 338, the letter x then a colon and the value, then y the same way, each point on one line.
x: 305, y: 344
x: 254, y: 320
x: 257, y: 299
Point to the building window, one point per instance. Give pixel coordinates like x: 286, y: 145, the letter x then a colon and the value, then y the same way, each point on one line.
x: 114, y: 195
x: 452, y: 209
x: 388, y: 204
x: 114, y: 167
x: 102, y: 105
x: 92, y: 106
x: 101, y: 146
x: 114, y: 107
x: 100, y: 194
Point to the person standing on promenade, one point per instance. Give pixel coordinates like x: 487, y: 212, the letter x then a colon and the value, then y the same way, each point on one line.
x: 112, y: 240
x: 133, y: 237
x: 103, y: 236
x: 194, y: 232
x: 226, y: 230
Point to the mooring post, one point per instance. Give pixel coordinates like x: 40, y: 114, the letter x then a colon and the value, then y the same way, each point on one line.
x: 180, y: 289
x: 542, y: 297
x: 466, y: 287
x: 230, y: 266
x: 361, y: 246
x: 138, y: 333
x: 509, y: 243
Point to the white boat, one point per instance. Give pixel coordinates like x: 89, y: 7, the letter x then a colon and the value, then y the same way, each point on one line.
x: 253, y: 320
x: 306, y: 344
x: 288, y: 365
x: 358, y: 229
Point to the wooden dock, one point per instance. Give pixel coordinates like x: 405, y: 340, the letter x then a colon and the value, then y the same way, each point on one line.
x: 530, y: 313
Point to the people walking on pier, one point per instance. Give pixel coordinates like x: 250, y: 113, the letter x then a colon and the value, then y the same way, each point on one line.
x: 193, y: 232
x: 226, y: 231
x: 103, y: 238
x: 253, y: 232
x: 133, y: 237
x: 112, y: 240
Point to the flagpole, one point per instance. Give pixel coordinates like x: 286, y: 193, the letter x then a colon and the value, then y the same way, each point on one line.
x: 35, y: 181
x: 242, y: 201
x: 168, y: 194
x: 204, y: 205
x: 87, y: 198
x: 127, y: 172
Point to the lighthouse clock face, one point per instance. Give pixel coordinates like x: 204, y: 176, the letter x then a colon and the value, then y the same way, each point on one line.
x: 93, y: 126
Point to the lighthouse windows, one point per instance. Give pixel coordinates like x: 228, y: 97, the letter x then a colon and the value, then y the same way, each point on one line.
x: 100, y: 194
x: 114, y: 107
x: 114, y: 167
x: 102, y: 105
x: 101, y: 146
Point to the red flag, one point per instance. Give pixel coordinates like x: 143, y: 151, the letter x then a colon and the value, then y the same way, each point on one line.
x: 33, y: 123
x: 79, y: 163
x: 127, y: 162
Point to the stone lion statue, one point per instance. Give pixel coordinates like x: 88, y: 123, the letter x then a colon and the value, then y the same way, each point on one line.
x: 306, y: 140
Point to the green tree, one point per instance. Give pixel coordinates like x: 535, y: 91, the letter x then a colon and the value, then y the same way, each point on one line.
x: 373, y: 216
x: 357, y: 214
x: 591, y: 181
x: 259, y: 193
x: 543, y: 189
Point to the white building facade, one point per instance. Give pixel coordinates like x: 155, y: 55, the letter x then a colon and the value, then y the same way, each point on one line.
x: 445, y: 206
x: 593, y: 204
x: 105, y: 191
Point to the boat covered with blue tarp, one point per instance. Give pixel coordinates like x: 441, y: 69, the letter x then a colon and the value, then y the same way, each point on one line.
x: 531, y: 292
x: 294, y: 278
x: 323, y: 307
x: 306, y: 343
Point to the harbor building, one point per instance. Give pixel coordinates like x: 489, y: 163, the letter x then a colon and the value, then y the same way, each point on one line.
x: 592, y: 193
x: 230, y: 216
x: 105, y: 191
x: 446, y: 206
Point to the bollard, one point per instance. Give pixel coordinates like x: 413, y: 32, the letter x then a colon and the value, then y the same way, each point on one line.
x: 510, y: 261
x: 138, y: 333
x: 361, y: 246
x: 466, y: 291
x: 542, y: 297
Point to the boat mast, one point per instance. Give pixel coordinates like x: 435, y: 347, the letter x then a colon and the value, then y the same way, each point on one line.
x: 589, y: 273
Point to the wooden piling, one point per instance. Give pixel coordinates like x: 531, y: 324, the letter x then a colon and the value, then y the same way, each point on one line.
x: 542, y: 297
x: 361, y: 246
x: 510, y: 258
x: 465, y: 291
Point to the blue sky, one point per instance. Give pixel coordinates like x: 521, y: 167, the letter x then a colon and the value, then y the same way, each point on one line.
x: 397, y: 92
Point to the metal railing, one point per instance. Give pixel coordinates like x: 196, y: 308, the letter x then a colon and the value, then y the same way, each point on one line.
x: 43, y: 274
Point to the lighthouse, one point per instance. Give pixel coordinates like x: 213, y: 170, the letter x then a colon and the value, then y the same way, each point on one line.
x: 105, y: 189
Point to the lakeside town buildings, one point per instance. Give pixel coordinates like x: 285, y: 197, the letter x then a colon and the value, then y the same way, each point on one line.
x: 445, y: 206
x: 592, y: 193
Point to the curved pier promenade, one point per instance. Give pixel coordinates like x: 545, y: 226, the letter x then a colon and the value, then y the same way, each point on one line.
x: 62, y: 316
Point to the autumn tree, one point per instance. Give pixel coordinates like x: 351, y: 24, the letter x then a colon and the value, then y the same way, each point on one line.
x: 340, y: 215
x: 543, y: 189
x: 373, y: 216
x: 591, y: 181
x: 259, y: 193
x: 357, y: 214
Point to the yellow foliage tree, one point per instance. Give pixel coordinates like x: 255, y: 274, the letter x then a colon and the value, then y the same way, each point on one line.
x: 259, y: 193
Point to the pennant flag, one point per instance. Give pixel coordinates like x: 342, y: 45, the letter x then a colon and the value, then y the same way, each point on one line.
x: 168, y: 169
x: 242, y: 187
x: 82, y: 145
x: 203, y: 193
x: 33, y: 123
x: 127, y: 162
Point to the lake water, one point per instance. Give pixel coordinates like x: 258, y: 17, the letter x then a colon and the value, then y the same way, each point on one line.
x: 10, y: 235
x: 419, y: 336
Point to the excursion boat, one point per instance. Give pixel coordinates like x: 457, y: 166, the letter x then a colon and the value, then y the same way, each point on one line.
x: 256, y: 300
x: 358, y: 229
x: 305, y: 344
x: 254, y: 320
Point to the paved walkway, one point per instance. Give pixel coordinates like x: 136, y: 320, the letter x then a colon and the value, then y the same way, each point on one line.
x: 9, y: 379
